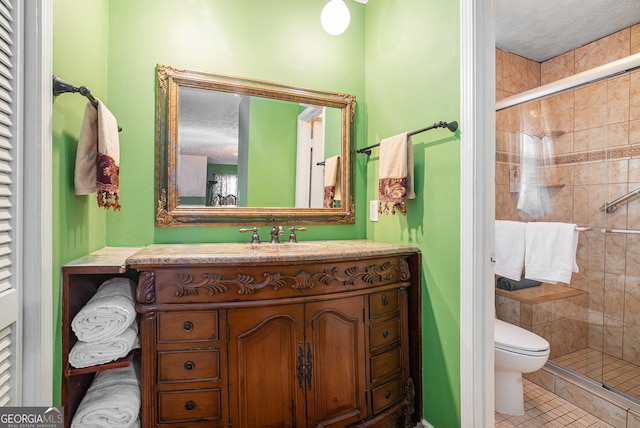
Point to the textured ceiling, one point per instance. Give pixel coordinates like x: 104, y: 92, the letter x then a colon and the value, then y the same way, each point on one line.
x: 209, y: 125
x: 542, y: 29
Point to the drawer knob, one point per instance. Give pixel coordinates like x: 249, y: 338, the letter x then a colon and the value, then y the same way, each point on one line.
x: 387, y: 394
x: 187, y: 326
x: 385, y: 300
x: 385, y: 334
x: 190, y: 405
x: 189, y: 365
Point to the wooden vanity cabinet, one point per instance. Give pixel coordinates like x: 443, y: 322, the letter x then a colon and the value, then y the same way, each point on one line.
x: 278, y: 344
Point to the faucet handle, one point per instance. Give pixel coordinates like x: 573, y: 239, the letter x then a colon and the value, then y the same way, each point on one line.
x: 292, y: 235
x: 255, y: 239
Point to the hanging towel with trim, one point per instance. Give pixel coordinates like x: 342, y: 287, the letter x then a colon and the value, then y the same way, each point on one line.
x: 98, y: 157
x: 395, y: 184
x: 332, y: 182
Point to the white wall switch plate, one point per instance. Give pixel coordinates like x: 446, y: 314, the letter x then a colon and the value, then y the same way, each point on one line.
x: 373, y: 210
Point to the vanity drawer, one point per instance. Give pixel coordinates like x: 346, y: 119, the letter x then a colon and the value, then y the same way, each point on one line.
x: 385, y: 333
x: 383, y: 303
x: 386, y: 394
x: 187, y: 325
x: 188, y: 365
x: 189, y: 405
x: 385, y: 364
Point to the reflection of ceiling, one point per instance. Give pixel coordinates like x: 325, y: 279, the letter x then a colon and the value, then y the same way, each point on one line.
x: 542, y: 29
x: 208, y: 125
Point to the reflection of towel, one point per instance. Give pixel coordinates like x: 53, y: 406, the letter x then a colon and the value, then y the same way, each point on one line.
x: 108, y: 313
x: 510, y: 284
x: 395, y: 184
x: 98, y: 157
x: 550, y: 254
x: 332, y: 181
x: 509, y: 248
x: 86, y: 354
x: 112, y: 400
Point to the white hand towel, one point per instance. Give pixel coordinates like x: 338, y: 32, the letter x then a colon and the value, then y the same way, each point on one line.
x: 112, y: 400
x: 108, y: 313
x: 550, y: 254
x: 87, y: 153
x: 332, y: 181
x: 509, y: 248
x: 87, y: 354
x: 395, y: 175
x: 98, y: 156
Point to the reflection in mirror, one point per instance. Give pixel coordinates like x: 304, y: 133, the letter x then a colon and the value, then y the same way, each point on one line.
x: 234, y: 150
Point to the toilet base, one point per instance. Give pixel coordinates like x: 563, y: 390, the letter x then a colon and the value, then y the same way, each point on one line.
x: 509, y: 395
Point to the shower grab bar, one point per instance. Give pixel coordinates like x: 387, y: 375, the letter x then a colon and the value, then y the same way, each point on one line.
x: 451, y: 126
x: 626, y: 231
x: 611, y: 207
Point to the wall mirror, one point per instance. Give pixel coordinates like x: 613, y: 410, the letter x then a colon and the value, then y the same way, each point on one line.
x: 233, y: 151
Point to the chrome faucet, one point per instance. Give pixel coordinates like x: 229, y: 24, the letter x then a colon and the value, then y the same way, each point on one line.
x: 276, y: 231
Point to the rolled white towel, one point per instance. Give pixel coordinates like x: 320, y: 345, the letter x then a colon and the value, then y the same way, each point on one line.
x: 86, y: 354
x: 112, y: 400
x: 108, y: 313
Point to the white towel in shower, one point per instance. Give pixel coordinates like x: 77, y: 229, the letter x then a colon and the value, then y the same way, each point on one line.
x: 550, y: 253
x: 509, y: 249
x: 87, y: 354
x: 108, y: 313
x: 112, y: 400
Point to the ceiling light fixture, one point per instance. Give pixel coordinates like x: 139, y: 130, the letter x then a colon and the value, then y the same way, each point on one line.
x: 335, y: 16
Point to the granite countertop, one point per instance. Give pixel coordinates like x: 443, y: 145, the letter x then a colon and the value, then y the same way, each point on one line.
x: 162, y: 254
x: 107, y: 256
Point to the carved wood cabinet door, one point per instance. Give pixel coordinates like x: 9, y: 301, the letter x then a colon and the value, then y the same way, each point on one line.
x: 299, y: 365
x: 263, y: 352
x: 335, y: 339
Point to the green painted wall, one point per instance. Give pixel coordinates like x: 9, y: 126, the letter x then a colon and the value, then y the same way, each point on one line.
x: 79, y: 58
x: 240, y: 37
x: 332, y: 132
x: 412, y: 80
x: 273, y: 137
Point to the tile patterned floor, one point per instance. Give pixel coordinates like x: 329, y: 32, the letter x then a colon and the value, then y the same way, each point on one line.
x: 613, y: 372
x: 545, y: 409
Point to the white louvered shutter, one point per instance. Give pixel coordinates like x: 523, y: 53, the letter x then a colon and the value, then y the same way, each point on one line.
x: 9, y: 302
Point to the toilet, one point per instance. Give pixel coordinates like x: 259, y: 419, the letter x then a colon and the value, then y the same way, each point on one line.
x: 517, y: 351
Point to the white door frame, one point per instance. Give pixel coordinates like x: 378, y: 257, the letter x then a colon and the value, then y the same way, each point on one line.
x: 34, y: 234
x: 477, y: 211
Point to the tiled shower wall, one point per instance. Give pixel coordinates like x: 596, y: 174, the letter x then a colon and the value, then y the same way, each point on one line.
x: 588, y: 152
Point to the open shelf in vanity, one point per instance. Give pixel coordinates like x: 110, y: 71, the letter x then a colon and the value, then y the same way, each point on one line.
x: 80, y: 281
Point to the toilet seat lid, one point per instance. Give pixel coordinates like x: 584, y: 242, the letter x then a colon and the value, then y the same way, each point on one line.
x: 512, y: 338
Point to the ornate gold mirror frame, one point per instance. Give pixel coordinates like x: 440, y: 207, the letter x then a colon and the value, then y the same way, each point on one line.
x: 170, y: 212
